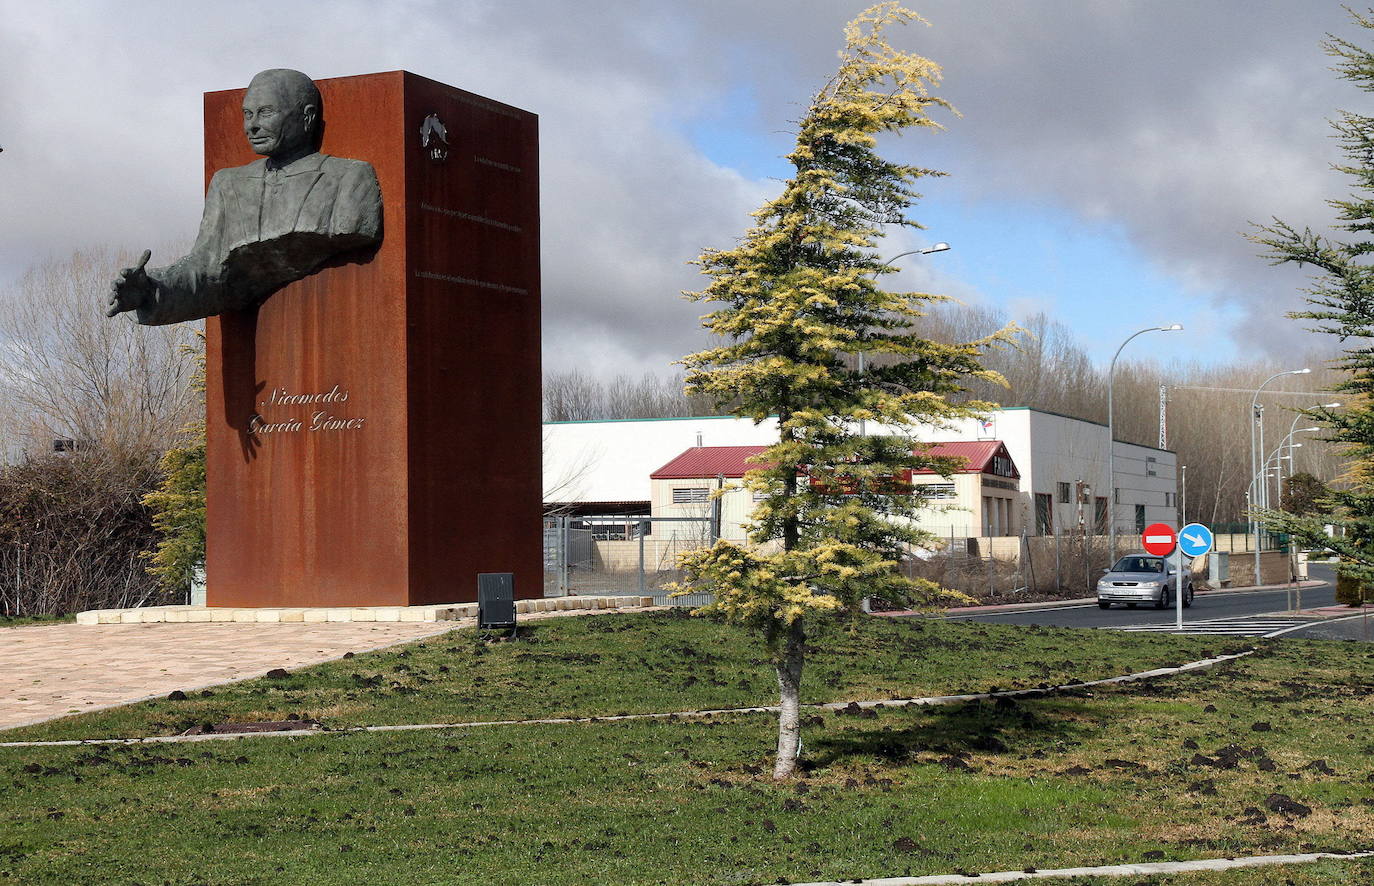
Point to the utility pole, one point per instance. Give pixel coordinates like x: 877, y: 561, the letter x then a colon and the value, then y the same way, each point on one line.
x: 1163, y: 416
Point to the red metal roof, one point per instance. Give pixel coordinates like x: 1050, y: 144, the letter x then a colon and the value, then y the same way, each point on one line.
x: 730, y: 461
x: 978, y: 455
x: 709, y: 461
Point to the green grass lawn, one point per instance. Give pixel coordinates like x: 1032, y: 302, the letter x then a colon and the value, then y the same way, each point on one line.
x: 1265, y: 755
x: 615, y: 664
x: 21, y: 621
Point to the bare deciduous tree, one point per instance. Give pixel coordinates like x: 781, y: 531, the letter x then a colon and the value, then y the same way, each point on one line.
x: 68, y: 372
x: 573, y: 395
x: 73, y: 528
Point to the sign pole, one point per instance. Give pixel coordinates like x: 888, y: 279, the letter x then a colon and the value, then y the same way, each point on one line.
x: 1178, y: 588
x: 1195, y: 540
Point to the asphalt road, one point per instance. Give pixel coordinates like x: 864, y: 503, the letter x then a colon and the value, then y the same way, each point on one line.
x: 1253, y: 613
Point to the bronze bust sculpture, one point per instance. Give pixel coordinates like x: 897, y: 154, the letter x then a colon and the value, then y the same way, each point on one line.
x: 266, y: 224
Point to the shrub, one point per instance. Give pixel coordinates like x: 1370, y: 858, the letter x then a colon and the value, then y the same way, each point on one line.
x: 73, y: 530
x: 1351, y: 591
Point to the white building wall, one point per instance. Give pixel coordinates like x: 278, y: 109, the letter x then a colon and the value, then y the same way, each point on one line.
x: 612, y: 460
x: 736, y: 505
x: 959, y: 517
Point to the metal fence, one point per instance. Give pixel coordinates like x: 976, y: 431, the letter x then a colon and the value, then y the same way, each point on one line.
x: 634, y: 556
x: 637, y: 556
x: 1010, y: 568
x: 1065, y: 564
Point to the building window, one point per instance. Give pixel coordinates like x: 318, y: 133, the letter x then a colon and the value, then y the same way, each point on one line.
x: 935, y: 490
x: 1100, y: 515
x: 1168, y: 499
x: 687, y: 495
x: 1044, y: 514
x: 1063, y: 490
x: 1139, y: 518
x: 1001, y: 466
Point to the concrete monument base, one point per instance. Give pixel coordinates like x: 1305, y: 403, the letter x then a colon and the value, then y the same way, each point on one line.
x: 320, y: 614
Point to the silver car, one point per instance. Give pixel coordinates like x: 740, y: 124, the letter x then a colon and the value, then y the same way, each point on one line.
x: 1141, y: 578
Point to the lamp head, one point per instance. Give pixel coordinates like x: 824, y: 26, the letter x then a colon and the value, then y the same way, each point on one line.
x: 1175, y: 328
x: 938, y: 247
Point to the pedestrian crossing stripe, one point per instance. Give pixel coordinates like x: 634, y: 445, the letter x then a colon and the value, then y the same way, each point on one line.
x: 1243, y: 626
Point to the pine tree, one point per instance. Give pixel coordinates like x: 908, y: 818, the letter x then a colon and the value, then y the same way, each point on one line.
x: 178, y: 504
x: 795, y: 301
x: 1342, y: 304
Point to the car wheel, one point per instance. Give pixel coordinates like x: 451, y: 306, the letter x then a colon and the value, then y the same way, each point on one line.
x: 1103, y: 604
x: 1188, y: 597
x: 1132, y: 605
x: 1163, y: 598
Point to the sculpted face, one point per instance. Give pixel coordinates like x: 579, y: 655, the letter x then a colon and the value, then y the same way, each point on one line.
x: 277, y: 118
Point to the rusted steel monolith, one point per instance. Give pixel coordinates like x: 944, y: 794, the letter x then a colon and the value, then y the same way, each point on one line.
x: 374, y: 429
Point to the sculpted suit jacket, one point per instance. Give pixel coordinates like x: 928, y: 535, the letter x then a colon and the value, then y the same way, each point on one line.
x: 264, y: 228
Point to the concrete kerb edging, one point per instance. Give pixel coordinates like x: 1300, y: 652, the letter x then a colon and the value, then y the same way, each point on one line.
x: 434, y: 612
x: 1111, y: 870
x: 680, y: 715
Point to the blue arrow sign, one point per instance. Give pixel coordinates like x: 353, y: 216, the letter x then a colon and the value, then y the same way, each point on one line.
x: 1195, y: 540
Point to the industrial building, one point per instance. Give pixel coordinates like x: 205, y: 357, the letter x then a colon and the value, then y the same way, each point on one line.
x: 1054, y: 479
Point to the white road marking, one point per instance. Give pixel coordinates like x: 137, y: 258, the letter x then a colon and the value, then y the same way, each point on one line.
x: 1236, y: 626
x: 1108, y: 870
x: 1019, y: 611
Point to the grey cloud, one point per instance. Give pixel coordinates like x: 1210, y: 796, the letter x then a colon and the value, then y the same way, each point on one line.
x: 1176, y: 122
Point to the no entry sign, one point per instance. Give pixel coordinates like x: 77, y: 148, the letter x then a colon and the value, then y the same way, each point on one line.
x: 1159, y: 539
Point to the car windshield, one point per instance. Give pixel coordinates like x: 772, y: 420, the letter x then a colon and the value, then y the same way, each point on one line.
x: 1139, y: 564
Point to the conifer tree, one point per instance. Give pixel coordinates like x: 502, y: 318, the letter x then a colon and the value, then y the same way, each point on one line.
x: 1342, y: 304
x: 794, y: 303
x: 178, y: 504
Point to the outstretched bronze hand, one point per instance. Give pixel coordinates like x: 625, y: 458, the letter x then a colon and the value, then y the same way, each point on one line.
x: 132, y: 289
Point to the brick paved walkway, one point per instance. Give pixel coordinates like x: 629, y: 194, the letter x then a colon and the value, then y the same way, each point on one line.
x: 49, y: 671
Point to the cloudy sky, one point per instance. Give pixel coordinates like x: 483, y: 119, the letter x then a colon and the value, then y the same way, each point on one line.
x: 1110, y: 155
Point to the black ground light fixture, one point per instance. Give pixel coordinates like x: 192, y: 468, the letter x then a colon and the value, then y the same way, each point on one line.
x: 496, y: 600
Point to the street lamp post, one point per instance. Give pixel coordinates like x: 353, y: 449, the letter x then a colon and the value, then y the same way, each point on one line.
x: 1183, y: 502
x: 1111, y: 437
x: 938, y: 247
x: 1288, y: 442
x: 1256, y: 419
x: 1276, y: 459
x: 1294, y: 429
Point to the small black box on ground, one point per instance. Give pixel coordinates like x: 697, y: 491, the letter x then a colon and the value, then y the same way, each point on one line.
x: 496, y: 600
